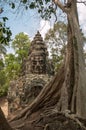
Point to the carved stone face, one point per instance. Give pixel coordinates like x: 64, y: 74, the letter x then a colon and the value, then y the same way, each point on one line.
x: 38, y: 64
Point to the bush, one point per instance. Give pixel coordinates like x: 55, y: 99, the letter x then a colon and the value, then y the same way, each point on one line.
x: 4, y: 90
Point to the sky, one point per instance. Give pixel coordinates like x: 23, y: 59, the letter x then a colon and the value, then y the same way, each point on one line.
x: 82, y: 17
x: 25, y: 21
x: 30, y: 22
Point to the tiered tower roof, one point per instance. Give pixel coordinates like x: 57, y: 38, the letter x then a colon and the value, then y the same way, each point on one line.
x: 37, y: 55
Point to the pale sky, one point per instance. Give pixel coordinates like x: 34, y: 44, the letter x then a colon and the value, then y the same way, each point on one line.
x: 82, y: 16
x: 30, y: 22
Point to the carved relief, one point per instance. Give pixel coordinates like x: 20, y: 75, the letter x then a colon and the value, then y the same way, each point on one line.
x: 38, y: 55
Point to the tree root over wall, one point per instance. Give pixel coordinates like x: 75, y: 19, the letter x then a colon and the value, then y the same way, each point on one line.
x: 53, y: 121
x: 43, y: 113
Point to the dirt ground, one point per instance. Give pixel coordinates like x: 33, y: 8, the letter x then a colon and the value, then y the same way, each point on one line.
x: 4, y: 105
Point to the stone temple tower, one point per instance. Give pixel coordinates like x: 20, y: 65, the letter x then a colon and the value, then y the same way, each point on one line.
x: 37, y: 56
x: 25, y: 89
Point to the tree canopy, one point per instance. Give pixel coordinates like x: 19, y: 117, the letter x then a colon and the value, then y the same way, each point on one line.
x: 56, y: 40
x: 21, y: 44
x: 11, y: 64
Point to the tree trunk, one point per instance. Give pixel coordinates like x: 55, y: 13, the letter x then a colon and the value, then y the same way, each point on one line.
x: 74, y: 84
x: 78, y: 103
x: 3, y: 122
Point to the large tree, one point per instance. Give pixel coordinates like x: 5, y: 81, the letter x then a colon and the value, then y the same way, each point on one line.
x: 67, y: 89
x: 21, y: 44
x: 12, y: 66
x: 56, y: 40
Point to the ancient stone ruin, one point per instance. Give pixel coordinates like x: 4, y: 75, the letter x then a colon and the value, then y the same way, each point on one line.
x: 36, y: 73
x: 38, y: 55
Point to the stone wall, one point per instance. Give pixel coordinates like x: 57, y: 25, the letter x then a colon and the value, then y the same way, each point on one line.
x: 24, y: 90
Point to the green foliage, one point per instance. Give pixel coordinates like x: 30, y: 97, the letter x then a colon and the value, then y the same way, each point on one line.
x: 2, y: 77
x: 4, y: 89
x: 56, y: 39
x: 32, y: 5
x: 13, y: 62
x: 5, y: 33
x: 4, y: 83
x: 2, y: 49
x: 45, y: 7
x: 1, y: 64
x: 21, y: 44
x: 12, y: 5
x: 24, y: 1
x: 5, y: 37
x: 12, y: 66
